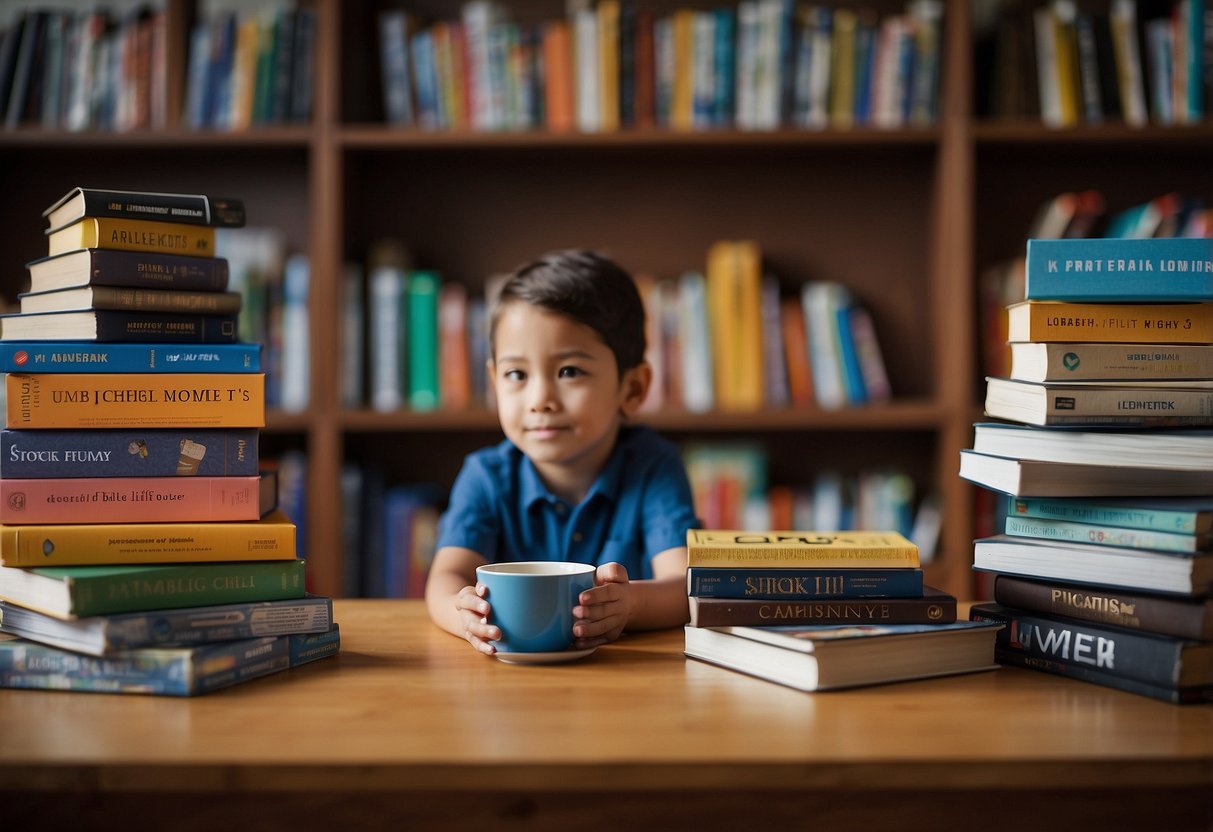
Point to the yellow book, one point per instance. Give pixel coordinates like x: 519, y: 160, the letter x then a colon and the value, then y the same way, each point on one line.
x: 774, y: 549
x: 1110, y: 323
x: 734, y: 287
x: 135, y: 400
x: 1065, y: 54
x: 842, y: 69
x: 133, y: 235
x: 608, y: 64
x: 244, y: 73
x: 682, y: 99
x: 270, y: 538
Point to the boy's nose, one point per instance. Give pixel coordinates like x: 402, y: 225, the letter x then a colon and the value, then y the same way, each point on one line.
x: 542, y: 395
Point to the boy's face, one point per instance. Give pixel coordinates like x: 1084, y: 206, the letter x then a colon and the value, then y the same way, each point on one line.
x: 560, y: 397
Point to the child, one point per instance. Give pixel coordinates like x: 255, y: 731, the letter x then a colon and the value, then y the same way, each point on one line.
x: 571, y: 482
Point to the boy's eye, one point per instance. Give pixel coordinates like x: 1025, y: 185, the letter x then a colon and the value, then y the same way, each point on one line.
x: 571, y: 372
x: 514, y: 375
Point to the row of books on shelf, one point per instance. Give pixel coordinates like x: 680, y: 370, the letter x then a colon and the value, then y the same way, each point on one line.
x: 1103, y: 559
x: 757, y: 64
x: 1135, y: 62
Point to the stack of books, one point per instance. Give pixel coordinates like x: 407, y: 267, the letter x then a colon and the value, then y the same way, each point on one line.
x: 1105, y: 570
x: 821, y: 610
x: 141, y: 548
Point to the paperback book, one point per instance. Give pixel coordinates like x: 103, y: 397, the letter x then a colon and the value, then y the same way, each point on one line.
x: 1035, y: 478
x: 1096, y: 404
x: 140, y: 269
x: 813, y: 658
x: 932, y: 607
x: 1180, y: 449
x: 1069, y: 361
x: 87, y: 453
x: 803, y: 584
x: 1122, y: 270
x: 121, y: 357
x: 726, y: 548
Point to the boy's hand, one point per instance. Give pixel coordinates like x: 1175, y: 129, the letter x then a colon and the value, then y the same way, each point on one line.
x: 474, y: 611
x: 602, y: 612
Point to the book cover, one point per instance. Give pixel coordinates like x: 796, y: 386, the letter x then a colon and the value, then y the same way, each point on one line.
x: 823, y: 657
x: 166, y: 671
x: 1186, y: 449
x: 75, y: 357
x: 822, y: 300
x: 1036, y: 478
x: 1122, y: 270
x: 1105, y: 535
x: 195, y: 209
x: 82, y: 591
x: 39, y: 454
x: 1152, y: 323
x: 456, y: 382
x: 1181, y: 515
x: 1070, y: 361
x: 725, y: 548
x: 1155, y: 659
x: 1009, y: 657
x: 109, y: 325
x: 137, y: 499
x: 60, y: 544
x: 1187, y: 618
x: 803, y: 584
x: 422, y: 348
x: 932, y: 607
x: 99, y: 635
x: 132, y: 235
x: 131, y: 298
x: 135, y: 400
x: 1095, y: 404
x: 1105, y: 566
x: 558, y: 74
x: 734, y: 302
x: 136, y: 269
x: 796, y: 352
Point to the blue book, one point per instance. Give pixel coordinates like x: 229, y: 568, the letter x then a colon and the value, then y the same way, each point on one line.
x: 104, y: 634
x: 1145, y: 270
x: 169, y: 671
x: 79, y: 357
x: 808, y: 584
x: 91, y: 452
x: 1181, y: 515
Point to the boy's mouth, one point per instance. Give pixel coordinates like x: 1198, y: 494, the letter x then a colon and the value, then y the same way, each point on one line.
x: 545, y: 431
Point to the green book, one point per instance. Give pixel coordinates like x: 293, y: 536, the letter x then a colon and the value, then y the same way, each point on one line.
x: 76, y: 591
x: 423, y: 287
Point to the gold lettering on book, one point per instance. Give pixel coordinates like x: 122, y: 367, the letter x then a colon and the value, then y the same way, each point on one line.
x: 825, y: 611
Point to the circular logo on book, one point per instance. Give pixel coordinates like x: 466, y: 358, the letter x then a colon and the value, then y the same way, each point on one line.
x: 934, y: 612
x: 16, y: 501
x: 48, y: 547
x: 21, y: 358
x: 1070, y: 361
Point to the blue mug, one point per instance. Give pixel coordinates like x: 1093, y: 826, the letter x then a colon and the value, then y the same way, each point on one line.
x: 532, y: 603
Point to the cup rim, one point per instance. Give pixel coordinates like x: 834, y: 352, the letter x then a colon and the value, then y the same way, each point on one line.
x: 551, y: 568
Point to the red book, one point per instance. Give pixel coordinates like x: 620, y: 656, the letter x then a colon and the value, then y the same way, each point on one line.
x: 558, y: 75
x: 796, y: 352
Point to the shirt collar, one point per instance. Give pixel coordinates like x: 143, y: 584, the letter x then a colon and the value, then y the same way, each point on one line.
x: 532, y: 489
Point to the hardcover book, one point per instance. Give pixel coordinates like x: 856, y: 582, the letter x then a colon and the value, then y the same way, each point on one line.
x: 1188, y: 618
x: 83, y: 591
x: 1070, y: 361
x: 812, y: 658
x: 1185, y: 449
x: 1035, y: 478
x: 1152, y: 323
x: 803, y: 584
x: 1010, y: 657
x: 269, y: 538
x: 196, y: 209
x: 932, y: 607
x: 107, y: 267
x: 724, y: 548
x: 1124, y: 270
x: 135, y: 400
x: 1104, y: 566
x: 74, y: 357
x: 40, y: 454
x: 107, y: 325
x: 1100, y: 405
x: 167, y: 671
x: 1184, y: 515
x: 99, y: 635
x: 137, y: 499
x: 175, y: 301
x: 132, y: 235
x: 1104, y: 535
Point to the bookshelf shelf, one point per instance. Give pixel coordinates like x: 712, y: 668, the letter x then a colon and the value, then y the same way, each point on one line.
x: 1034, y: 133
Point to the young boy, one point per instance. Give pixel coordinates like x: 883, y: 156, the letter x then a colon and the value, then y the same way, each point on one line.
x: 571, y: 481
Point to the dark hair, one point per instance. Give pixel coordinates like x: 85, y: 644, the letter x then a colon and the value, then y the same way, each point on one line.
x: 587, y: 287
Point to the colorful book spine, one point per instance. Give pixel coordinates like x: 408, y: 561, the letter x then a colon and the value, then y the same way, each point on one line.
x: 166, y: 671
x: 101, y: 634
x: 803, y: 584
x: 1136, y: 514
x: 132, y: 235
x: 40, y: 454
x: 422, y: 350
x: 1127, y: 270
x: 106, y: 267
x: 1101, y: 535
x: 1154, y: 323
x: 723, y: 548
x: 934, y: 608
x: 80, y: 357
x: 130, y: 500
x: 270, y: 538
x: 130, y: 400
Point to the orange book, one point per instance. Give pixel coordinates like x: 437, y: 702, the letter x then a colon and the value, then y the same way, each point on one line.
x: 135, y: 400
x: 796, y: 353
x: 608, y: 64
x: 558, y: 75
x: 644, y: 72
x: 734, y: 286
x: 455, y: 383
x: 682, y: 105
x: 781, y: 501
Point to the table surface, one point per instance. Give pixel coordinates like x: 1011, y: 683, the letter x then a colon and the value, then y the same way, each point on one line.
x: 408, y: 707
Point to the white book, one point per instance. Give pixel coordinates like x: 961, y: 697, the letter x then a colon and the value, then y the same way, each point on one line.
x: 588, y: 86
x: 484, y: 81
x: 748, y: 19
x: 1036, y: 478
x: 353, y: 311
x: 296, y: 334
x: 821, y: 300
x: 1046, y: 68
x: 386, y: 348
x: 1179, y: 449
x: 698, y: 390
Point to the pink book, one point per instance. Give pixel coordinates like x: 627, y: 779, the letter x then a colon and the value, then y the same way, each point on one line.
x: 137, y: 499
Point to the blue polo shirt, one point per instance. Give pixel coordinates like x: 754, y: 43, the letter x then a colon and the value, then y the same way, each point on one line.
x: 639, y: 506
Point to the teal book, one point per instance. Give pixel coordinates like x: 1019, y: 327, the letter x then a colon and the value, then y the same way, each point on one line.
x: 1169, y: 269
x: 1100, y: 534
x: 1178, y: 515
x: 126, y: 357
x: 423, y: 287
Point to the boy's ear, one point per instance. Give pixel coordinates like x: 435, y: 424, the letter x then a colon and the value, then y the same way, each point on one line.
x: 634, y: 386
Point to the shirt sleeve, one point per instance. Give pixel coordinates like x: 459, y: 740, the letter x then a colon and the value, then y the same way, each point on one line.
x: 669, y: 509
x: 471, y: 520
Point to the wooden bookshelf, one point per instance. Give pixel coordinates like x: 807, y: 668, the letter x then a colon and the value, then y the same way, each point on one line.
x: 904, y: 217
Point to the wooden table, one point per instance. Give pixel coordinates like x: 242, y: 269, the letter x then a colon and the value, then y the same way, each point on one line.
x: 409, y: 729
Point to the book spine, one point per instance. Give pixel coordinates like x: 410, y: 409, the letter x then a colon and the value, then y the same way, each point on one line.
x: 149, y: 270
x: 310, y: 647
x: 272, y: 538
x: 42, y: 454
x: 79, y: 357
x: 1117, y: 362
x: 129, y: 500
x: 131, y: 400
x: 1157, y: 323
x: 422, y: 350
x: 37, y: 666
x: 1158, y: 269
x: 1148, y: 658
x: 820, y: 558
x: 803, y: 584
x: 1128, y: 517
x: 719, y: 612
x: 166, y: 300
x: 1104, y: 605
x: 132, y: 235
x: 1101, y: 535
x: 195, y: 209
x: 1166, y: 693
